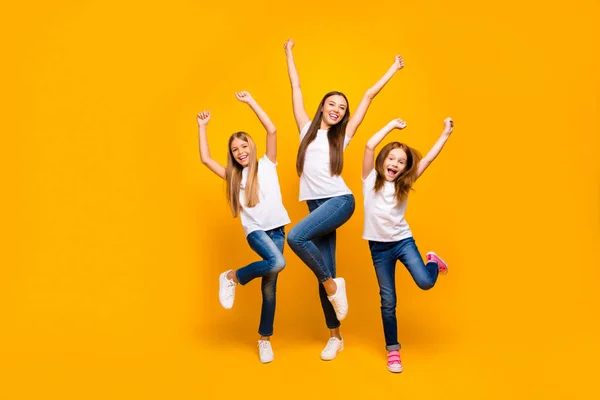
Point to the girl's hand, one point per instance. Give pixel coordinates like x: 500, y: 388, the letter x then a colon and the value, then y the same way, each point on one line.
x: 398, y: 62
x: 243, y: 96
x: 288, y: 45
x: 448, y: 126
x: 397, y: 124
x: 203, y: 118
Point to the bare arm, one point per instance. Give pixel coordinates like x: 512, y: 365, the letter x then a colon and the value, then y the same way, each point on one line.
x: 437, y: 147
x: 207, y: 160
x: 373, y: 142
x: 264, y: 119
x: 359, y: 115
x: 300, y: 114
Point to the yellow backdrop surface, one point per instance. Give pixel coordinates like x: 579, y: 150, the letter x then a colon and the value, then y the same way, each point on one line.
x: 115, y: 233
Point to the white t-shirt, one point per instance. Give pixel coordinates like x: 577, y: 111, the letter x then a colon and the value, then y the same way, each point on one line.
x: 384, y: 216
x: 269, y: 213
x: 316, y: 181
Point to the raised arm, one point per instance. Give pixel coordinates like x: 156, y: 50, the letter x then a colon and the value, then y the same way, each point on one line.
x: 300, y: 114
x: 264, y: 119
x: 373, y: 142
x: 207, y: 160
x: 361, y: 110
x: 437, y: 147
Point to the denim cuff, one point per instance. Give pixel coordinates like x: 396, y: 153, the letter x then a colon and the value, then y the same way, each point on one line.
x: 393, y: 347
x: 237, y: 276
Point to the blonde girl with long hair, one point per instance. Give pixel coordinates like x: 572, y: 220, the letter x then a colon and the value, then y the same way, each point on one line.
x: 387, y: 182
x: 253, y: 194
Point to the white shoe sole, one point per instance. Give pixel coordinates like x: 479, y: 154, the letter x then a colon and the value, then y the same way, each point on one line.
x: 223, y: 282
x: 395, y: 370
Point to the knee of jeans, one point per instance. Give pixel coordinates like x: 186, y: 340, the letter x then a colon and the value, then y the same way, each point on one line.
x: 277, y: 264
x: 269, y: 292
x: 293, y: 238
x: 425, y: 284
x: 388, y: 304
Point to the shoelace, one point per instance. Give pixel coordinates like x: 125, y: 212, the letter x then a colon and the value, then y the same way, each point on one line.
x: 229, y: 290
x: 331, y: 344
x: 264, y: 347
x: 334, y: 303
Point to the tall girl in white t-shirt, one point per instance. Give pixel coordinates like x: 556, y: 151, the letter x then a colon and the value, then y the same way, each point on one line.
x: 331, y: 203
x: 386, y: 184
x: 253, y: 193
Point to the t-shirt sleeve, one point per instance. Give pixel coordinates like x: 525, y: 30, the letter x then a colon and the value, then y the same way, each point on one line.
x: 370, y: 179
x: 267, y: 162
x: 368, y: 183
x: 304, y: 130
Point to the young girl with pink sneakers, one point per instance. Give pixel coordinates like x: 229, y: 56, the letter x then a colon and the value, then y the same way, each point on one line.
x: 253, y: 193
x: 386, y: 184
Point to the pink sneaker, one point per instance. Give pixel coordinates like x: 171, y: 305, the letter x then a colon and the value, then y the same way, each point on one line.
x: 394, y: 364
x: 442, y: 266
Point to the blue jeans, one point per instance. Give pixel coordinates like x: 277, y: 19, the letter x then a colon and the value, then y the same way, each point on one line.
x: 313, y: 240
x: 268, y: 245
x: 384, y: 259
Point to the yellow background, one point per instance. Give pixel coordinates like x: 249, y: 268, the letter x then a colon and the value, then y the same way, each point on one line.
x: 114, y: 232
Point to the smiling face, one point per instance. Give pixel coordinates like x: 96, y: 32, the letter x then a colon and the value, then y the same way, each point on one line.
x: 394, y: 164
x: 398, y: 165
x: 240, y: 151
x: 334, y: 108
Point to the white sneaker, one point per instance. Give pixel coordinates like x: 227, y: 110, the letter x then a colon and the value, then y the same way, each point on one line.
x: 265, y: 351
x: 226, y: 290
x: 334, y: 346
x: 339, y: 300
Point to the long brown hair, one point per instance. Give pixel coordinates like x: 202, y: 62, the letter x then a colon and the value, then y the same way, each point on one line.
x: 404, y: 181
x: 335, y: 135
x: 233, y: 176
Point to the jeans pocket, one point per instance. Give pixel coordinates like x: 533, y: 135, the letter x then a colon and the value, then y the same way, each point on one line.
x: 375, y: 247
x: 281, y: 231
x: 273, y: 233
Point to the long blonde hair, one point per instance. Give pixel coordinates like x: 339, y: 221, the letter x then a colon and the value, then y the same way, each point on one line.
x: 403, y: 182
x: 233, y: 176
